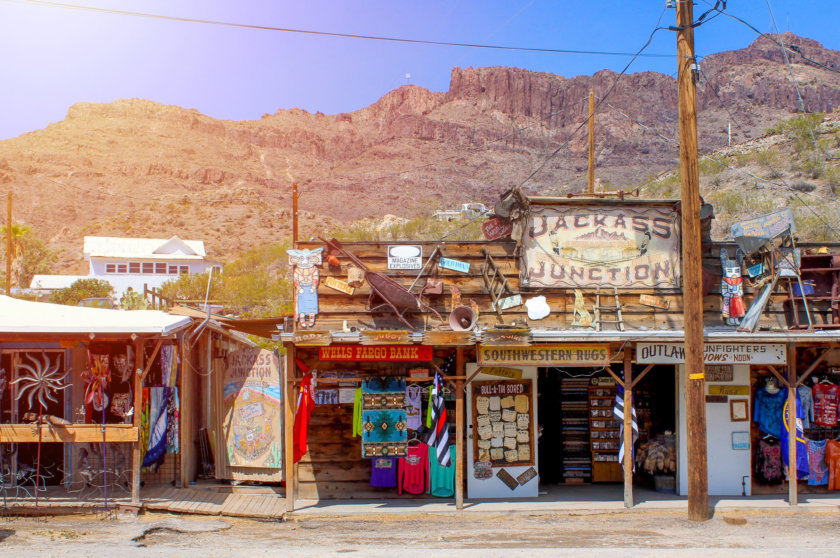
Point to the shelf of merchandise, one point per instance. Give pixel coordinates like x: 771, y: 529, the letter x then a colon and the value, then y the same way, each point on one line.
x: 577, y: 460
x: 605, y: 466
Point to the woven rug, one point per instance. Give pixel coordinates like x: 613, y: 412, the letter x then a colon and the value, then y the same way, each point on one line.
x: 384, y: 420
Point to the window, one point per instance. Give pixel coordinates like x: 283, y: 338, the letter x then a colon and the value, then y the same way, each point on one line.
x: 148, y: 267
x: 173, y: 269
x: 122, y: 268
x: 134, y: 267
x: 160, y: 268
x: 184, y: 269
x: 110, y: 268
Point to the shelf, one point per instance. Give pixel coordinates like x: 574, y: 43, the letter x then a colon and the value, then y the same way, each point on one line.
x: 810, y: 298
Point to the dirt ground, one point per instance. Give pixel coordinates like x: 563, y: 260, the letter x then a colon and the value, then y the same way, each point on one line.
x: 783, y: 534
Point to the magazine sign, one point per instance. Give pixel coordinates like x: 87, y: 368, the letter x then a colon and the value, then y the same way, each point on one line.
x: 405, y: 257
x: 584, y: 246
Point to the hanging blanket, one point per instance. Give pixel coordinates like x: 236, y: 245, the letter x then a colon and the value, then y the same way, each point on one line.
x: 173, y: 417
x: 159, y: 397
x: 384, y: 420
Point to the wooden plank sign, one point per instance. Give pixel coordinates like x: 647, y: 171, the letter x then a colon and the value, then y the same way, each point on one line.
x: 728, y: 390
x: 502, y: 372
x: 455, y: 265
x: 509, y: 302
x: 448, y: 338
x: 495, y: 228
x: 546, y: 355
x: 654, y: 301
x: 376, y: 353
x: 338, y: 285
x: 385, y: 337
x: 719, y: 373
x: 520, y: 337
x: 312, y: 338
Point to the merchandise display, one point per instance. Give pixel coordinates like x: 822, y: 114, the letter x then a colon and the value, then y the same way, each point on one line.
x: 413, y: 469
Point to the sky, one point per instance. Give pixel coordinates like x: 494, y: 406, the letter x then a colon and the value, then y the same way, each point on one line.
x: 52, y: 57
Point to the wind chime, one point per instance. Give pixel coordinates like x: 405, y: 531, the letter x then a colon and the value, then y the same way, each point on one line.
x: 97, y: 377
x: 40, y: 381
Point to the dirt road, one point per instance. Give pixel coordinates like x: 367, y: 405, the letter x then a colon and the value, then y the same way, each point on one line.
x: 464, y: 535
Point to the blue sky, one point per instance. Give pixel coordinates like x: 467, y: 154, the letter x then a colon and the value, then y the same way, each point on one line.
x: 53, y: 57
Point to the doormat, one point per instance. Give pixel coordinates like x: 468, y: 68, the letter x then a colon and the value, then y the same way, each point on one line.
x: 384, y: 420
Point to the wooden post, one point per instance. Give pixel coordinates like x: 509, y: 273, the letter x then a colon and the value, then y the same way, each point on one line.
x: 294, y: 214
x: 289, y: 404
x: 459, y: 429
x: 9, y: 249
x: 793, y: 488
x: 137, y: 451
x: 628, y: 428
x: 698, y: 481
x: 591, y: 141
x: 185, y: 414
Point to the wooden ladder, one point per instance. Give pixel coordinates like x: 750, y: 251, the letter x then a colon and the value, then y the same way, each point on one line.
x: 494, y: 281
x: 618, y: 320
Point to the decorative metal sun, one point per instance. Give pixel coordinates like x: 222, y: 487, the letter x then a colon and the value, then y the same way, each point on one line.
x: 43, y: 380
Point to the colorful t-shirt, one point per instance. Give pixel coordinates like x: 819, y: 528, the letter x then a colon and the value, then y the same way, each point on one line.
x: 357, y: 413
x: 767, y: 411
x: 413, y: 406
x: 441, y: 479
x: 816, y: 461
x: 414, y: 469
x: 383, y: 472
x: 807, y: 400
x: 825, y: 404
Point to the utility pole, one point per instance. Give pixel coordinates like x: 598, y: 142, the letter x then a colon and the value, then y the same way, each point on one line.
x: 9, y: 249
x: 698, y: 478
x: 591, y: 141
x: 294, y: 214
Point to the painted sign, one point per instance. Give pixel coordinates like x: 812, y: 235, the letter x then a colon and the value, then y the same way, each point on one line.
x: 728, y: 390
x: 385, y: 337
x: 496, y: 228
x: 444, y: 338
x: 311, y: 338
x: 252, y: 409
x: 717, y: 399
x: 766, y: 226
x: 597, y: 246
x: 376, y: 352
x: 455, y: 265
x: 405, y: 257
x: 654, y: 301
x: 520, y: 337
x: 545, y: 355
x: 338, y: 285
x: 715, y: 353
x: 509, y: 302
x: 719, y: 373
x: 503, y: 425
x: 502, y: 372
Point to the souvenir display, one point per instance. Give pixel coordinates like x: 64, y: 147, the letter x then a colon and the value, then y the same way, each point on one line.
x: 502, y: 415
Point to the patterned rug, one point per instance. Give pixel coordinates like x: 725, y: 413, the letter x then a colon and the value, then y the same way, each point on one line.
x: 384, y: 426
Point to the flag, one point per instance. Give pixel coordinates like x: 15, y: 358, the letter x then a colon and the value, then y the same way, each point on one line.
x: 439, y: 433
x: 618, y: 414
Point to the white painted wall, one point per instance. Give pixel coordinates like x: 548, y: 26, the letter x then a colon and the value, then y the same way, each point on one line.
x: 727, y: 467
x: 493, y: 487
x: 121, y: 281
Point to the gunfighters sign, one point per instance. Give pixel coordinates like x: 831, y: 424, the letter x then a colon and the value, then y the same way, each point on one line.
x: 595, y: 246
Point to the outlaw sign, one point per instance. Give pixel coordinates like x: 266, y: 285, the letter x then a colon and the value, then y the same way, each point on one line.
x: 715, y: 353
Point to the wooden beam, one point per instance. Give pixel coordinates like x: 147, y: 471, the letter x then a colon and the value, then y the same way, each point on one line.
x: 289, y: 403
x: 151, y: 360
x: 185, y: 434
x: 814, y: 365
x: 90, y: 433
x: 778, y: 375
x: 628, y: 430
x: 137, y: 451
x: 614, y: 375
x: 793, y: 488
x: 459, y: 429
x: 638, y: 378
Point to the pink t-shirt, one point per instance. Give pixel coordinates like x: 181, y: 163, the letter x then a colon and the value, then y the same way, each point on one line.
x: 414, y: 469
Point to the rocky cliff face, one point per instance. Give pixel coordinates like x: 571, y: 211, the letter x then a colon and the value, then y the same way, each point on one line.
x: 135, y: 167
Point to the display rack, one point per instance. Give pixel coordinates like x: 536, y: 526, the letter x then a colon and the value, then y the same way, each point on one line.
x: 604, y: 431
x: 821, y: 280
x: 577, y: 459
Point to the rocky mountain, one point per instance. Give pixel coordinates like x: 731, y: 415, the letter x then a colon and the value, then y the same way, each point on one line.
x: 135, y: 167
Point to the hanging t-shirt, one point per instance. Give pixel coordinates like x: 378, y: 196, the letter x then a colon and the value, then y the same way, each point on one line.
x: 801, y: 464
x: 825, y: 404
x: 767, y: 411
x: 414, y: 469
x: 357, y: 413
x: 807, y: 400
x: 441, y: 479
x: 816, y: 461
x: 383, y: 472
x: 413, y: 406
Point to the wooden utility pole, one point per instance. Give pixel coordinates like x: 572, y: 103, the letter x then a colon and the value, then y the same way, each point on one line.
x: 698, y: 478
x: 459, y: 429
x: 9, y: 249
x: 289, y: 404
x: 591, y: 141
x: 628, y: 428
x: 294, y: 214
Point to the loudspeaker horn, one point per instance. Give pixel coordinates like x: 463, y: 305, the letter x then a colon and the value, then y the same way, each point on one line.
x: 462, y: 318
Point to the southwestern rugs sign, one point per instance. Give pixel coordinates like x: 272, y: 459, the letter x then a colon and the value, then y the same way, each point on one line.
x: 545, y: 355
x: 595, y: 246
x: 252, y: 409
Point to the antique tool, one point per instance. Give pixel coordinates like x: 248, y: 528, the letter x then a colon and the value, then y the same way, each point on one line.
x: 396, y: 297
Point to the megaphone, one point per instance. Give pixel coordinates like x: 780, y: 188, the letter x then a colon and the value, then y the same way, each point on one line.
x: 462, y: 318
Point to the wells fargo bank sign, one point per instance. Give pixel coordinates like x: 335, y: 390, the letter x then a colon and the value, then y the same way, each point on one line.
x: 595, y: 246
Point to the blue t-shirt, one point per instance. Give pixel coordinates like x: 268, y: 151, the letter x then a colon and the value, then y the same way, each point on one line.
x: 383, y: 472
x: 767, y: 411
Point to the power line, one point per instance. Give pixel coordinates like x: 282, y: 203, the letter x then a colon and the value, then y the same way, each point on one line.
x: 331, y: 33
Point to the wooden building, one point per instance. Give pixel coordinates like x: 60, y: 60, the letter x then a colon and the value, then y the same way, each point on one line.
x: 536, y: 332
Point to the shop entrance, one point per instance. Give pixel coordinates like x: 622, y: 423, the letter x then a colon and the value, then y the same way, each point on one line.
x: 580, y: 438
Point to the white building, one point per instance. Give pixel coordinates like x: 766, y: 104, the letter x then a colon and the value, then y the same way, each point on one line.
x: 135, y: 262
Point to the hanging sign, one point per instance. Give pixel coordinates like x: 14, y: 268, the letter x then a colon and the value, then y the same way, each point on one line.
x: 715, y: 353
x: 503, y: 337
x: 338, y: 285
x: 513, y: 373
x: 385, y: 337
x: 728, y: 390
x: 654, y: 301
x: 376, y: 352
x: 766, y: 226
x: 444, y: 338
x: 592, y: 246
x: 509, y: 302
x: 306, y: 338
x: 454, y: 265
x: 252, y: 409
x: 496, y: 228
x: 405, y: 257
x: 545, y: 355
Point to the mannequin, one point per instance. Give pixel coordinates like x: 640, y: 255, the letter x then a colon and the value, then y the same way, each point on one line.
x: 770, y: 385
